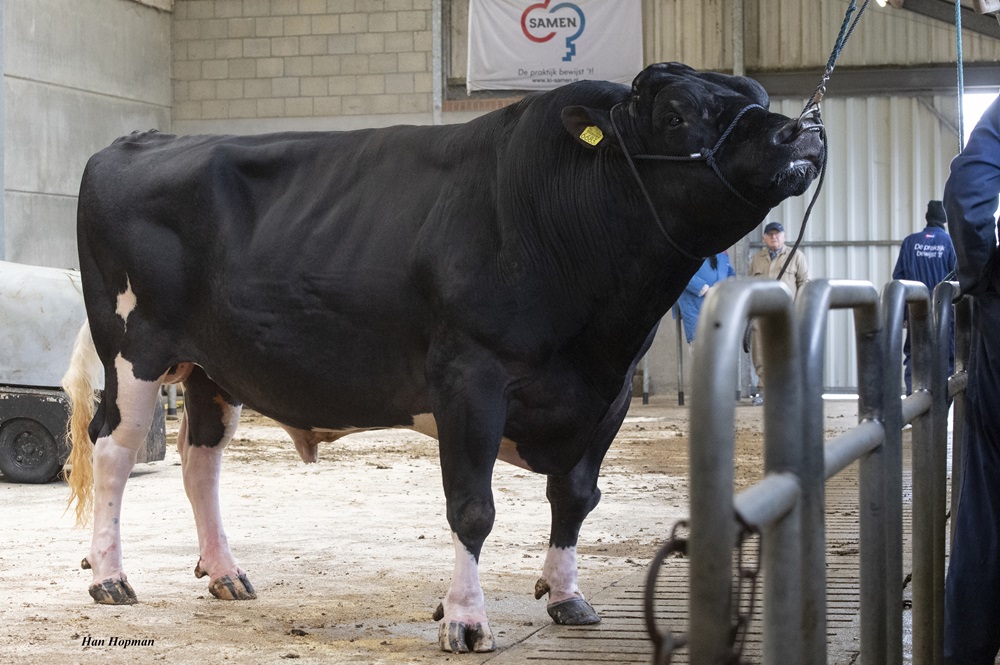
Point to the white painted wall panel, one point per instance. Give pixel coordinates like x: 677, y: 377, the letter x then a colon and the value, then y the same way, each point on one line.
x: 76, y: 75
x: 888, y: 156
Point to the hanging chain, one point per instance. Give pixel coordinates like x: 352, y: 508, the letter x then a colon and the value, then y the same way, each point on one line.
x: 665, y: 643
x: 747, y: 584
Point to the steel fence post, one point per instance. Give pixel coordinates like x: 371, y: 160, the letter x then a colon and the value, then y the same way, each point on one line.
x: 893, y: 304
x: 921, y: 341
x: 963, y: 344
x: 713, y: 530
x: 812, y: 307
x: 944, y: 295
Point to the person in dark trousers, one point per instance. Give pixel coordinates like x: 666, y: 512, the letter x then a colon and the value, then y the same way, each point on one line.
x: 972, y: 590
x: 926, y: 256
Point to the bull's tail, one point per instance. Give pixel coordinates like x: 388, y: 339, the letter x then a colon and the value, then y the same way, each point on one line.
x: 80, y: 383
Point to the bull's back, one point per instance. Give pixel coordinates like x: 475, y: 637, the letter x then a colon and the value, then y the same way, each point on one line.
x: 284, y: 264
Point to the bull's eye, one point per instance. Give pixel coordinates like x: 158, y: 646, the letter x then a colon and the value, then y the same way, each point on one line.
x: 674, y: 120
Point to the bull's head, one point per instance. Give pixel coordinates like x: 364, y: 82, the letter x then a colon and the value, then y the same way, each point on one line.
x: 707, y: 140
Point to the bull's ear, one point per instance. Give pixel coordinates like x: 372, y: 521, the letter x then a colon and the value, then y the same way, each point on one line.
x: 590, y: 127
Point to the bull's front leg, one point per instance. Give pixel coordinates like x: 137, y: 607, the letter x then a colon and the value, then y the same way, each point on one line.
x: 468, y: 404
x: 571, y: 498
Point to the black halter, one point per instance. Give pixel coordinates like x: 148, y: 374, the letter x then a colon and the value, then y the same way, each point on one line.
x: 706, y: 155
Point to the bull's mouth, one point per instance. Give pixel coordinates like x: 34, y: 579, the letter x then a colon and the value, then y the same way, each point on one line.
x: 797, y: 174
x: 801, y: 168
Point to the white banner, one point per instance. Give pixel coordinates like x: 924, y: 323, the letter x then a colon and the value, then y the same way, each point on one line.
x: 542, y: 44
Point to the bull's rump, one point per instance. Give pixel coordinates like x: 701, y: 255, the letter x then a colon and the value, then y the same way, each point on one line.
x: 287, y: 265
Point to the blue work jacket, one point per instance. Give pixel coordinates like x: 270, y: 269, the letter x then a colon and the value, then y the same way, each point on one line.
x: 926, y: 256
x: 690, y: 302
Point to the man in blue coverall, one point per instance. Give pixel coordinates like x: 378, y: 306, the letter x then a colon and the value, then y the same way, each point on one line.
x: 926, y: 256
x: 972, y: 590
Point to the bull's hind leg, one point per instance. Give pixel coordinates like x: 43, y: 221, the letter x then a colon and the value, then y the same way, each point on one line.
x: 210, y: 419
x: 130, y: 402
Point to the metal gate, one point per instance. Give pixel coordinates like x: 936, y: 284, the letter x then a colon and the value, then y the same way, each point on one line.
x: 786, y: 508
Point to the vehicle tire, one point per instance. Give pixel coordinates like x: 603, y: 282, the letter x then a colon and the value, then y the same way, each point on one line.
x: 28, y: 452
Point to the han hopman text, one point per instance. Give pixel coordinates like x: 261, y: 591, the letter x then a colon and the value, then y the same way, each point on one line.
x: 116, y: 642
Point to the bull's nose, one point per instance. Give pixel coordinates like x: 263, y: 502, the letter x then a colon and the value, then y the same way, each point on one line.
x: 793, y: 129
x: 810, y: 122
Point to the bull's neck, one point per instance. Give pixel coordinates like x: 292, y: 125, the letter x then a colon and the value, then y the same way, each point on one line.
x: 598, y: 249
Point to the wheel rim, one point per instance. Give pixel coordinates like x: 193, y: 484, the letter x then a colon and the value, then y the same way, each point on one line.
x: 28, y: 442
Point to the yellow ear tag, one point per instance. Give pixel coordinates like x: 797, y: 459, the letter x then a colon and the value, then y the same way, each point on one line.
x: 592, y: 135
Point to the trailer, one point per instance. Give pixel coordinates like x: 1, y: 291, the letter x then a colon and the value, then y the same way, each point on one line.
x: 41, y: 311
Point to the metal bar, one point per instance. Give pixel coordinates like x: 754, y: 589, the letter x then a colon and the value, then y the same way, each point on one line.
x: 712, y: 533
x: 871, y: 81
x: 894, y: 298
x: 944, y: 295
x: 963, y: 344
x: 957, y: 383
x: 917, y: 404
x: 844, y: 449
x: 921, y: 341
x: 437, y: 65
x: 739, y: 67
x: 172, y: 401
x: 874, y: 528
x: 645, y: 378
x: 812, y: 308
x: 3, y: 132
x: 680, y: 357
x: 764, y: 503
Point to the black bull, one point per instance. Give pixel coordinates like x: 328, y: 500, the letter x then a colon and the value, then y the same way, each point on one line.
x: 492, y: 284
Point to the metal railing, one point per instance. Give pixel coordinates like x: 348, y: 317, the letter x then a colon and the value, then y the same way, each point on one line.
x: 787, y: 507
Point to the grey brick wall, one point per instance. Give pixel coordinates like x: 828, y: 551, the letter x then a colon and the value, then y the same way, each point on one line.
x: 259, y: 59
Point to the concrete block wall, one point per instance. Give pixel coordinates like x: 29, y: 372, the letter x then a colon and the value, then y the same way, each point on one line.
x: 260, y: 65
x: 76, y: 75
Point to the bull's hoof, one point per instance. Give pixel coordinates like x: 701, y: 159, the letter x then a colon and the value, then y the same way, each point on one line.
x: 227, y: 588
x: 85, y: 564
x: 573, y: 612
x: 458, y: 637
x: 113, y: 592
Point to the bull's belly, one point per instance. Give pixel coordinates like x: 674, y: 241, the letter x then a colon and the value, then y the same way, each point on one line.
x: 324, y: 390
x: 327, y: 379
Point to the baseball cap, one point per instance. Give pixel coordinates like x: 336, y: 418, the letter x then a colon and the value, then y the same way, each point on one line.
x: 774, y: 226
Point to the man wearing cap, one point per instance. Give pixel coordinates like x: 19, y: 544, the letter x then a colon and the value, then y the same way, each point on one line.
x: 926, y: 256
x: 767, y: 263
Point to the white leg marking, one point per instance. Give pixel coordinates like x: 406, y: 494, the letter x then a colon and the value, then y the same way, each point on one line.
x: 465, y: 601
x: 114, y: 457
x: 201, y: 467
x: 464, y: 626
x: 561, y: 574
x: 112, y: 464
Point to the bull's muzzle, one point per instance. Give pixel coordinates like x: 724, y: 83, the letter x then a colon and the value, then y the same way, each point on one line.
x: 793, y: 130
